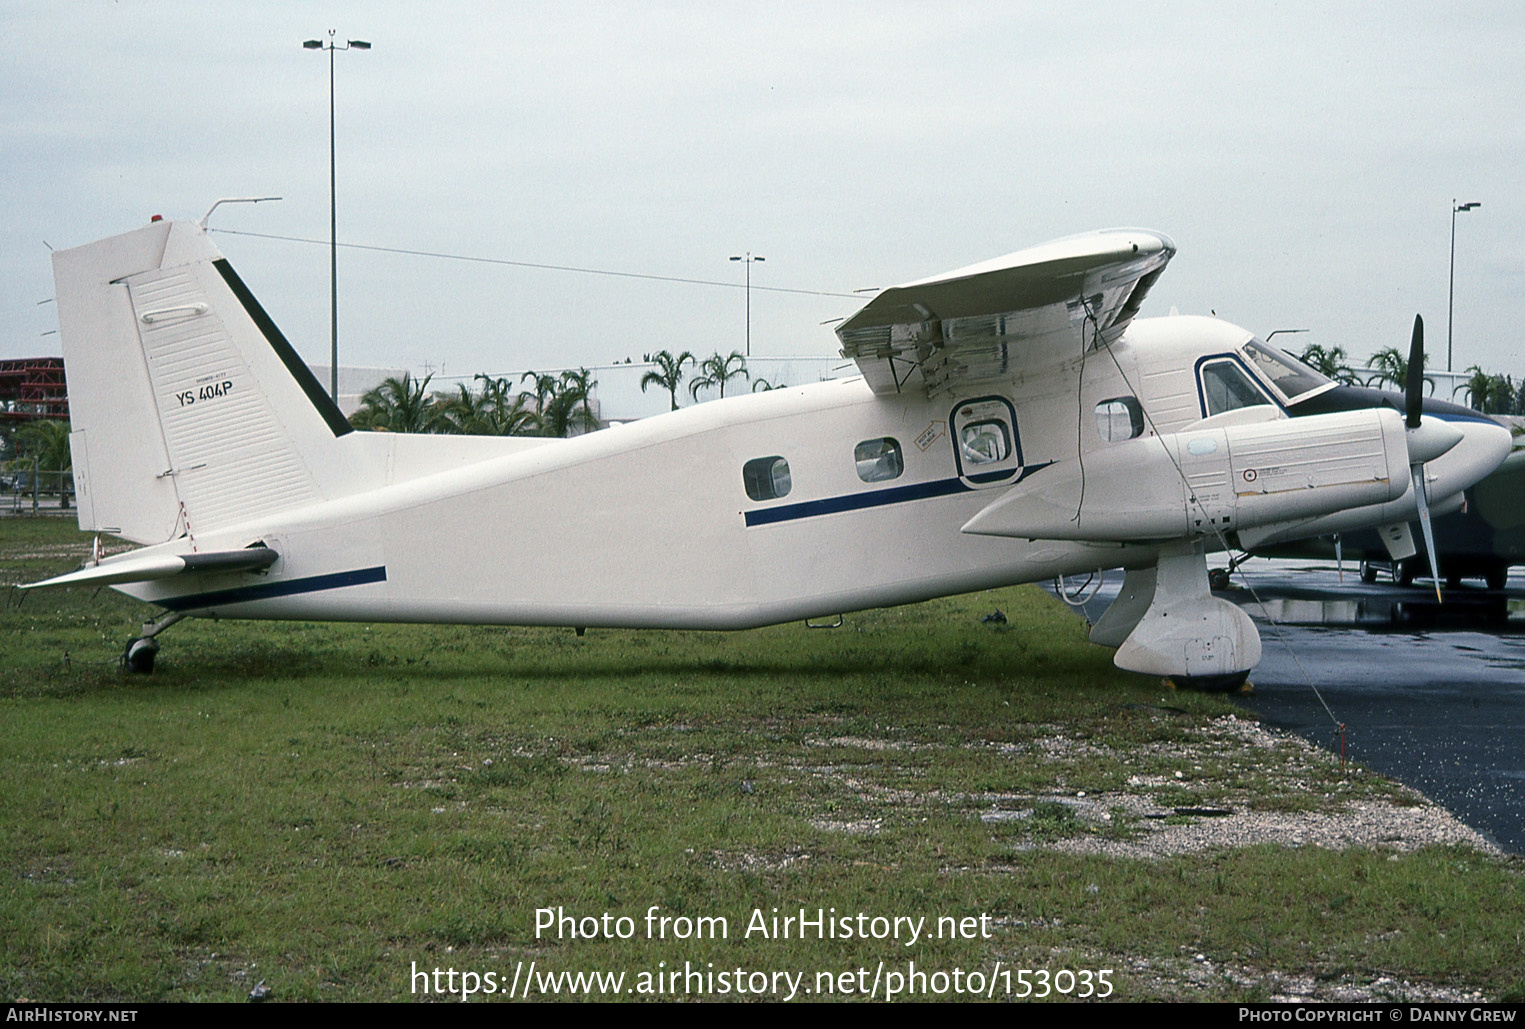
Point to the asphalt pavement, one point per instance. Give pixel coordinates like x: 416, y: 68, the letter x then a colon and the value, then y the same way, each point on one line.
x: 1430, y: 694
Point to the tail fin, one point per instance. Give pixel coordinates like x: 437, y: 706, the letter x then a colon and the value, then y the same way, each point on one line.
x: 190, y: 410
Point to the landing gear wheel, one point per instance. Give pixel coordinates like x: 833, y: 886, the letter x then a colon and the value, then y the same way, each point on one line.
x: 1497, y: 577
x: 1219, y: 579
x: 139, y: 655
x: 1403, y: 572
x: 1368, y: 573
x: 1230, y: 683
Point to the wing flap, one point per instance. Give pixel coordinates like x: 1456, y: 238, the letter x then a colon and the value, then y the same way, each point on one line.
x: 993, y: 320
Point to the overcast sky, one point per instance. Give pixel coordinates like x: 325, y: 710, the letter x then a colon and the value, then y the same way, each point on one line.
x: 1304, y: 157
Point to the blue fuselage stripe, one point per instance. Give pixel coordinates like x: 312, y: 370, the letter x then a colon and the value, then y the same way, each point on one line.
x: 855, y: 501
x: 881, y: 497
x: 267, y: 590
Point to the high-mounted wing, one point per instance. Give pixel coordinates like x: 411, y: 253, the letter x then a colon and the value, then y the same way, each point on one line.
x: 990, y: 320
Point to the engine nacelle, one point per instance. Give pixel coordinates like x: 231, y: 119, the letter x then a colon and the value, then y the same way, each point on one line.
x: 1198, y: 482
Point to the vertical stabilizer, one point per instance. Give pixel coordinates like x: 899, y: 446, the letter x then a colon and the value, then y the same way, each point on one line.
x: 190, y: 410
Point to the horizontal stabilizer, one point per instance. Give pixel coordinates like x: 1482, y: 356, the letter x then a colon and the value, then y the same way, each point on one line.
x: 136, y: 568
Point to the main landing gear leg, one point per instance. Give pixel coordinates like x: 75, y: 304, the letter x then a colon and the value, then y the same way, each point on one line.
x: 1188, y: 635
x: 141, y: 650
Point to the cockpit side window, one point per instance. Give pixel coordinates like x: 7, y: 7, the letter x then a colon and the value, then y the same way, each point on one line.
x: 1285, y: 372
x: 1225, y: 387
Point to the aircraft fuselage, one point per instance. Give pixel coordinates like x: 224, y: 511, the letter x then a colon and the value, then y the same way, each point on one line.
x: 659, y: 523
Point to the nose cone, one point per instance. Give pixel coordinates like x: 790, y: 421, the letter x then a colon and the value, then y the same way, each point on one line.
x: 1484, y: 445
x: 1431, y: 438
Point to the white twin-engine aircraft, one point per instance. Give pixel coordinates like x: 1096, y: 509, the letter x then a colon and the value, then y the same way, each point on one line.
x: 1013, y: 422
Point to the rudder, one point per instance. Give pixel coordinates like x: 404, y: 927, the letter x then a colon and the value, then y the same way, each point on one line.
x: 190, y: 410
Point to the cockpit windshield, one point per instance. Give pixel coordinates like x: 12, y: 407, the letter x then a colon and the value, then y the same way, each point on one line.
x: 1286, y: 373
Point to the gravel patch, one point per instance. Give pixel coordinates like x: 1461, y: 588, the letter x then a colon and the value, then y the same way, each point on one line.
x: 1359, y: 824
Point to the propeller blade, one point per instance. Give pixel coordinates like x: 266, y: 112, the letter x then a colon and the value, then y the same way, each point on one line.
x: 1413, y: 404
x: 1417, y: 474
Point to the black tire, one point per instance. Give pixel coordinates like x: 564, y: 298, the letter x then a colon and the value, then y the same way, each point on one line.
x: 1211, y: 683
x: 1403, y: 572
x: 139, y: 655
x: 1219, y: 579
x: 1497, y: 577
x: 1368, y: 573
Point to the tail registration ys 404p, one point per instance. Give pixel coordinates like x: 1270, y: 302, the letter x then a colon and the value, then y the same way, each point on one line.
x: 211, y: 391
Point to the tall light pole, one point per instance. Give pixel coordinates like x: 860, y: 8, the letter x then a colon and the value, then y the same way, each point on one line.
x: 747, y: 260
x: 333, y: 205
x: 1451, y: 298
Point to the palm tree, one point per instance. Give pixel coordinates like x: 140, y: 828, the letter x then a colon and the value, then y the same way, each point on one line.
x: 562, y: 402
x: 544, y: 389
x: 760, y: 384
x: 718, y: 371
x: 43, y: 446
x: 503, y: 414
x: 1489, y: 393
x: 398, y: 405
x: 461, y: 413
x: 668, y: 373
x: 1329, y: 361
x: 1391, y: 366
x: 566, y: 413
x: 579, y: 385
x: 492, y: 411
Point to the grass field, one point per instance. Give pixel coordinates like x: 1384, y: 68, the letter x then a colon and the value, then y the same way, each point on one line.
x: 326, y: 808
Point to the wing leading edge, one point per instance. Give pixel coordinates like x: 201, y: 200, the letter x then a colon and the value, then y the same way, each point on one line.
x: 994, y: 320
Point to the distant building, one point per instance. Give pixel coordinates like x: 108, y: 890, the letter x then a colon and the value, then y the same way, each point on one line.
x: 33, y: 388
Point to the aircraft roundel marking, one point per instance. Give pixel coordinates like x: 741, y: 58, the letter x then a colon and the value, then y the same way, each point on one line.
x: 1250, y: 475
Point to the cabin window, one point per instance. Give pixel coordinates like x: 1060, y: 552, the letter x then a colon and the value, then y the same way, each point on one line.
x: 766, y: 478
x: 1118, y: 419
x: 986, y: 447
x: 1225, y: 387
x: 879, y: 460
x: 985, y: 442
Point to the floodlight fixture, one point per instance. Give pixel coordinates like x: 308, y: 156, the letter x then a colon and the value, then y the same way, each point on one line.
x: 748, y: 261
x: 333, y: 206
x: 1451, y: 292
